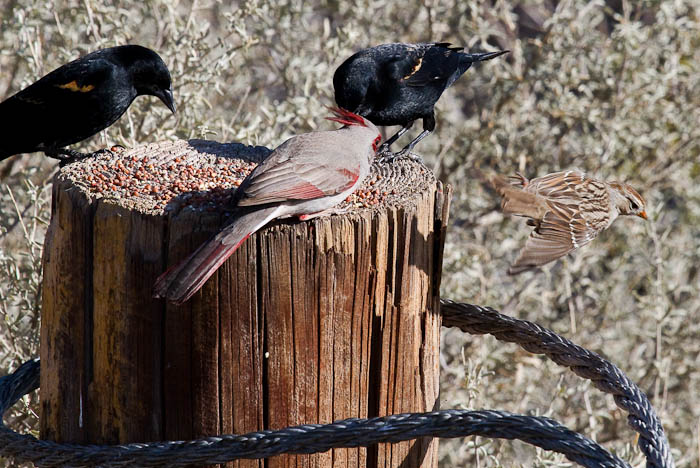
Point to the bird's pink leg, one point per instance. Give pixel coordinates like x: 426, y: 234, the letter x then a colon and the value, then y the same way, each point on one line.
x: 328, y: 212
x: 519, y: 179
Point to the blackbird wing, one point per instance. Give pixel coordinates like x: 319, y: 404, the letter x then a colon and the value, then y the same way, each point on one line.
x: 59, y: 109
x: 62, y: 86
x: 295, y: 172
x: 436, y: 63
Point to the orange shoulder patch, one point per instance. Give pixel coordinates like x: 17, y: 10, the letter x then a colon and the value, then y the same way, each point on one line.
x: 415, y: 69
x: 73, y: 86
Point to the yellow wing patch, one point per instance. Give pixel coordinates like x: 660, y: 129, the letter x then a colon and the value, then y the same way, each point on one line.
x: 73, y: 86
x: 415, y: 69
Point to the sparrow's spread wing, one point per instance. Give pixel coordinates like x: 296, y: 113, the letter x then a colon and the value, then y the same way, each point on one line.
x: 564, y: 228
x: 558, y: 185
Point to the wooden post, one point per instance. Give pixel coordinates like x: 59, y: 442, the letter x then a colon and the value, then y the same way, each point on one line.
x: 308, y: 322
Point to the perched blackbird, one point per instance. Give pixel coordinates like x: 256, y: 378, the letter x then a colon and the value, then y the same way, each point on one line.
x: 395, y: 84
x: 80, y: 99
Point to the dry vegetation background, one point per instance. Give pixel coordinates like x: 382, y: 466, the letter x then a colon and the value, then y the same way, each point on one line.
x: 612, y: 87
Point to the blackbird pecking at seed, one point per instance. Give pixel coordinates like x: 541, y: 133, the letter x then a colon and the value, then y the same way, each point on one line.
x: 396, y: 84
x: 79, y: 99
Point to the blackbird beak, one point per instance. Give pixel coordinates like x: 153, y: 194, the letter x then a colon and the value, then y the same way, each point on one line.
x: 166, y: 95
x: 643, y: 215
x: 487, y: 55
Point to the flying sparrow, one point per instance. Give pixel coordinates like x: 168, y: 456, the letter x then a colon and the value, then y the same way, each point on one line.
x: 568, y: 210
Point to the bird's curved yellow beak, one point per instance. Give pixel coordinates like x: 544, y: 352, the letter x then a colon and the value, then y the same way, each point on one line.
x: 643, y: 215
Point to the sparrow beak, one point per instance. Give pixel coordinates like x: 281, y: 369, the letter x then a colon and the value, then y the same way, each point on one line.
x: 166, y: 95
x: 643, y: 215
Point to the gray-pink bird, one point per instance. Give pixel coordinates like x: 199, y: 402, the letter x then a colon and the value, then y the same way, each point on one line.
x: 304, y: 176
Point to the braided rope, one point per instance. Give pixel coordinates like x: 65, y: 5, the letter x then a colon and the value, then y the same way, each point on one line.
x: 539, y: 431
x: 310, y: 438
x: 604, y: 375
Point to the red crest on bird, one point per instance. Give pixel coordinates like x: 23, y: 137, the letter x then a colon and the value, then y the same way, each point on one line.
x: 345, y: 117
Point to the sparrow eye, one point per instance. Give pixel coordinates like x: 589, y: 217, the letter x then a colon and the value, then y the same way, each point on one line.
x: 633, y: 205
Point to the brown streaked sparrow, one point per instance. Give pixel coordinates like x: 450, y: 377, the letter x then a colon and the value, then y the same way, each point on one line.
x: 568, y: 210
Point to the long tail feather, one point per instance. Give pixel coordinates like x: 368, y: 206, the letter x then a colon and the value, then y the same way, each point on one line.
x: 180, y: 282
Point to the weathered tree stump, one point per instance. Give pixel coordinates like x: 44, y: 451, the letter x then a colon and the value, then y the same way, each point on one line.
x: 308, y: 322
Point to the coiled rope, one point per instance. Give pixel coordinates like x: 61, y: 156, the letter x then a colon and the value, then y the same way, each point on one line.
x: 312, y: 438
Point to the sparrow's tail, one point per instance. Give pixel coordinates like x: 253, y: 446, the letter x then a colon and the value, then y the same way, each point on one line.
x: 514, y: 200
x: 180, y: 282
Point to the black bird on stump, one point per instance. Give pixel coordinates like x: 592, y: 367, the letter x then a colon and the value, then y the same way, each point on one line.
x: 80, y: 99
x: 396, y: 84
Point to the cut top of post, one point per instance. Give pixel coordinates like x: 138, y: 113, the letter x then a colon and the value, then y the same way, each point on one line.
x: 168, y: 176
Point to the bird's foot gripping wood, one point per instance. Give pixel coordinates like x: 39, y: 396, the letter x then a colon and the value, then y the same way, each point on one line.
x: 384, y: 149
x: 328, y: 212
x: 67, y: 156
x: 387, y: 157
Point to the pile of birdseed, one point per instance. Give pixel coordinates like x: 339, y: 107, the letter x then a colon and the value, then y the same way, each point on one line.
x: 168, y: 176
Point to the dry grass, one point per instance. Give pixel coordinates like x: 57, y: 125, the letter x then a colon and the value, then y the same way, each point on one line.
x: 608, y: 87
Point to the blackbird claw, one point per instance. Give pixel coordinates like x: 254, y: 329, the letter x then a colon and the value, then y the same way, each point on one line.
x: 100, y: 151
x: 390, y: 157
x: 386, y: 157
x: 383, y: 148
x: 111, y: 150
x: 67, y: 156
x: 412, y: 156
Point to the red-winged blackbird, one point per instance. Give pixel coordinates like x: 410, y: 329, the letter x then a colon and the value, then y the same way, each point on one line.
x: 396, y: 84
x: 80, y: 99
